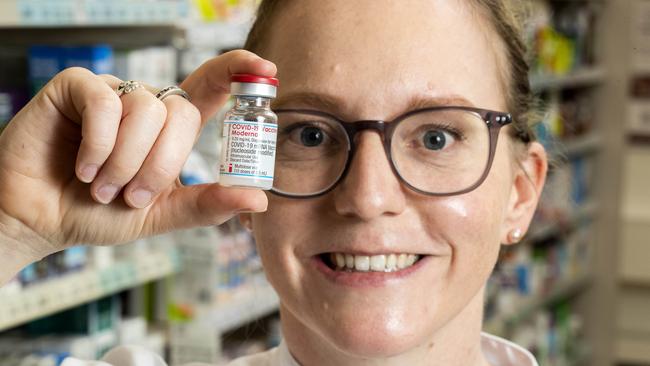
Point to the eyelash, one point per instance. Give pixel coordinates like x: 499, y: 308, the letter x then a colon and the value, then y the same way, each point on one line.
x: 456, y: 133
x: 295, y: 126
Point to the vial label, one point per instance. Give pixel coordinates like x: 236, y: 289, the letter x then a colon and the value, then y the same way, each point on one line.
x: 248, y: 149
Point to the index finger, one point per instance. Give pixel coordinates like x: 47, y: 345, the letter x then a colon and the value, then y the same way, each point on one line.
x: 209, y: 85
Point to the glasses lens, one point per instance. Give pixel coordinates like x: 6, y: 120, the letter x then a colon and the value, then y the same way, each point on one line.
x: 442, y: 151
x: 311, y: 153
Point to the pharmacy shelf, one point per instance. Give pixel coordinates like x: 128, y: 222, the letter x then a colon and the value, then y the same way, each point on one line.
x: 253, y: 301
x: 89, y: 25
x: 583, y: 358
x: 501, y: 324
x: 632, y: 348
x: 30, y: 13
x: 578, y: 146
x: 71, y: 290
x: 586, y: 76
x: 583, y: 212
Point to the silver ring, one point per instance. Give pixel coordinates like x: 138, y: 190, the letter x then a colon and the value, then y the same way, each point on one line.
x: 127, y: 87
x: 172, y: 90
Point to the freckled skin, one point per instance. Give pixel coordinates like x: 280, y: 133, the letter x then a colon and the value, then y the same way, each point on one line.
x: 375, y: 56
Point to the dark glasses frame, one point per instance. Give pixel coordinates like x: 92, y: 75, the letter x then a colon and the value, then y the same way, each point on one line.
x: 493, y: 119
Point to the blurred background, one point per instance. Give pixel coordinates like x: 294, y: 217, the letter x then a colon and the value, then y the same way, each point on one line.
x: 576, y: 291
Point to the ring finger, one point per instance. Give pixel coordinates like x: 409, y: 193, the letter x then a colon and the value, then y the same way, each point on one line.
x: 163, y: 165
x: 143, y: 118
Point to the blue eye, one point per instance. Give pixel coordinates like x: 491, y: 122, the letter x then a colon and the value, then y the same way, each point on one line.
x: 435, y: 140
x: 311, y: 136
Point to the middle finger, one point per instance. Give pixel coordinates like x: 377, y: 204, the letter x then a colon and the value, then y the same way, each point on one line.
x: 143, y: 118
x: 163, y: 165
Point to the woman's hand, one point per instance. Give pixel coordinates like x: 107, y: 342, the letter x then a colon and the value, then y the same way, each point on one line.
x: 81, y: 165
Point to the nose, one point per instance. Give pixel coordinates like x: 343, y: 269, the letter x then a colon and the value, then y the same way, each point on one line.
x: 370, y: 189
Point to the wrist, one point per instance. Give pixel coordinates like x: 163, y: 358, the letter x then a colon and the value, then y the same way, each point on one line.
x: 16, y: 252
x: 12, y: 258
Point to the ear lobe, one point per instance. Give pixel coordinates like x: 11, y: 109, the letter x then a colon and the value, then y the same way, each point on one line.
x: 528, y: 182
x: 246, y: 220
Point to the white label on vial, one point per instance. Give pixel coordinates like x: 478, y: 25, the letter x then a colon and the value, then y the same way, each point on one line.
x: 249, y: 149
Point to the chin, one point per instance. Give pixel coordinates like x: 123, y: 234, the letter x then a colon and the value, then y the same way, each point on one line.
x: 373, y: 337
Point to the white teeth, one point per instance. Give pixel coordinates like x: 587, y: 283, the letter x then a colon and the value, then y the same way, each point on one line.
x: 361, y: 262
x: 340, y: 260
x: 391, y: 262
x: 375, y: 263
x: 411, y: 259
x: 401, y: 261
x: 378, y: 262
x: 349, y: 261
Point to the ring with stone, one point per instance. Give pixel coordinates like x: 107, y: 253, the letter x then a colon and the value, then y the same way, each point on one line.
x: 127, y: 87
x: 172, y: 90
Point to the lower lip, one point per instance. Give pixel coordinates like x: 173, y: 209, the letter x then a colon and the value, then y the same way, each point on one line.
x: 366, y: 279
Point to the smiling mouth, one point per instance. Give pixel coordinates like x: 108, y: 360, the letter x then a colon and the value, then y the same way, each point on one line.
x: 363, y: 263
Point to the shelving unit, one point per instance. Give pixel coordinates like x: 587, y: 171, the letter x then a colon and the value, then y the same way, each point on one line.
x: 35, y: 13
x: 501, y: 324
x: 253, y: 301
x: 582, y: 145
x: 624, y: 296
x: 592, y: 293
x: 586, y: 211
x: 148, y: 23
x: 90, y: 284
x: 584, y: 77
x: 632, y: 348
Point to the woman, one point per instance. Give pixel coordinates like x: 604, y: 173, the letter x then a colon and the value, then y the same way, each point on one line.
x: 382, y: 263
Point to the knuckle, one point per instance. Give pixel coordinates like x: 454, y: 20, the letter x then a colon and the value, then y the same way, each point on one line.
x: 105, y: 103
x: 162, y: 174
x: 97, y: 143
x: 69, y: 76
x: 186, y: 114
x: 120, y: 168
x: 156, y: 109
x: 74, y: 72
x: 240, y: 53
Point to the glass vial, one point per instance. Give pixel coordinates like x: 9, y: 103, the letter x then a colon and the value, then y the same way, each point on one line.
x: 249, y: 134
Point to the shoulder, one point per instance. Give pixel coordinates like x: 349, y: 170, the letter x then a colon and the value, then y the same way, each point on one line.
x: 139, y: 356
x: 259, y: 359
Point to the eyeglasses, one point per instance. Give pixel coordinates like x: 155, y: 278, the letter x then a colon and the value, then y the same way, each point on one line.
x: 438, y: 151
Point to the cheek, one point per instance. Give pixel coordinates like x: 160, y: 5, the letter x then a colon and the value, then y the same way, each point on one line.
x: 471, y: 225
x: 278, y: 233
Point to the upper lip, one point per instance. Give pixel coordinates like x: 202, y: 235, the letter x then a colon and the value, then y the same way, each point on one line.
x: 371, y: 253
x: 374, y: 241
x: 372, y: 247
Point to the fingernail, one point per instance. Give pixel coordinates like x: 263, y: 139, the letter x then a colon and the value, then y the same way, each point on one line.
x: 247, y: 210
x: 141, y: 198
x: 106, y: 193
x: 88, y: 173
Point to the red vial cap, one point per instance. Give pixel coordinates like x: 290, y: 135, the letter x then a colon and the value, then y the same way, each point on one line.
x: 250, y: 78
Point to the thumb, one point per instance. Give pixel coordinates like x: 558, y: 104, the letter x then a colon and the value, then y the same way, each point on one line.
x: 209, y: 85
x: 202, y: 205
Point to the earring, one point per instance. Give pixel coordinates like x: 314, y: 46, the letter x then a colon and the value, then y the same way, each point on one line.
x: 515, y: 235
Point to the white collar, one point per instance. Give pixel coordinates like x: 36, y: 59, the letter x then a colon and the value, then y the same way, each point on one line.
x: 497, y: 351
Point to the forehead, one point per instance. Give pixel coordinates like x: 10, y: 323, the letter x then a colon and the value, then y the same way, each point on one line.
x: 375, y: 57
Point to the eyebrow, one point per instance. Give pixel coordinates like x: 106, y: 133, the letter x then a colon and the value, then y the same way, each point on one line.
x: 308, y: 99
x: 331, y: 103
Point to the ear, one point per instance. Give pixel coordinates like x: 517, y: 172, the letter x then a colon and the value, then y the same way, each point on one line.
x: 246, y: 220
x: 528, y: 182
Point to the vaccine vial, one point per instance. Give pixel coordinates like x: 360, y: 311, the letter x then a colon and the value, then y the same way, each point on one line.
x: 250, y: 131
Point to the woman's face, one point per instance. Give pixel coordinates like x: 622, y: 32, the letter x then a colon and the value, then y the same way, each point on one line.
x: 359, y: 61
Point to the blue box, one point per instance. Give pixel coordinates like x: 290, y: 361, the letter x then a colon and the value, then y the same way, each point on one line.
x: 47, y: 61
